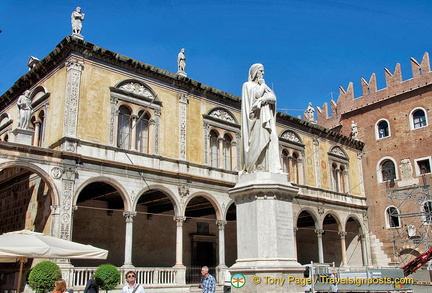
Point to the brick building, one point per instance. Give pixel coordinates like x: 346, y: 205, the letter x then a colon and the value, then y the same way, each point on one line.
x: 394, y: 123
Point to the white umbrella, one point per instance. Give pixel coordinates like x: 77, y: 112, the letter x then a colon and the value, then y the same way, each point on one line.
x: 23, y: 244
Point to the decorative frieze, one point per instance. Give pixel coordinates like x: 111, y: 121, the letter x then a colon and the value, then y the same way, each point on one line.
x: 73, y: 79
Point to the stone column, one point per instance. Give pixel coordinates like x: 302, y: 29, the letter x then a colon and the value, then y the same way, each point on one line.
x: 362, y: 238
x: 128, y: 238
x: 74, y: 68
x: 295, y: 229
x: 319, y: 233
x: 234, y: 156
x: 133, y: 131
x: 181, y: 269
x: 221, y: 153
x: 151, y: 137
x: 221, y: 268
x: 36, y: 133
x: 265, y: 236
x: 343, y: 246
x: 290, y: 168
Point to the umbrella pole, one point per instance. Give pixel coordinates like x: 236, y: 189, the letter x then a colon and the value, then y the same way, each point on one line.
x: 20, y: 274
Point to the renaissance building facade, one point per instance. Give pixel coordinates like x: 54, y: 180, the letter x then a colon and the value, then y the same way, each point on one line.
x: 137, y: 160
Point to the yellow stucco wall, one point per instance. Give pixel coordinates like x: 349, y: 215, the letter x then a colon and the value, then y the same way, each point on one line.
x: 324, y: 147
x: 56, y: 86
x: 169, y: 133
x: 309, y: 162
x: 194, y: 132
x: 354, y: 174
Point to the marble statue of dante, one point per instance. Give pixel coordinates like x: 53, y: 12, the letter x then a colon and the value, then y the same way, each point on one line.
x: 25, y: 109
x: 259, y: 136
x: 181, y: 61
x: 76, y: 18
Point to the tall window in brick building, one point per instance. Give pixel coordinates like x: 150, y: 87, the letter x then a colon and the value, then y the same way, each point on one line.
x: 392, y: 217
x: 419, y: 119
x: 124, y: 128
x: 388, y: 170
x: 383, y: 129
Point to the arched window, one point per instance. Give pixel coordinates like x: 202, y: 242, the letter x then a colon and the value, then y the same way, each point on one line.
x: 427, y: 209
x: 418, y: 119
x: 393, y: 217
x: 339, y: 163
x: 124, y: 128
x: 227, y: 152
x: 383, y: 129
x: 214, y: 149
x: 142, y: 129
x: 388, y: 170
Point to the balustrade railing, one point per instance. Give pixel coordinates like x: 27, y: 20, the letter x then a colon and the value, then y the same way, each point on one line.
x: 145, y: 276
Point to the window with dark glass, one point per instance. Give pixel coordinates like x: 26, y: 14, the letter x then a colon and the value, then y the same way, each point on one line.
x: 419, y: 119
x: 383, y: 129
x: 424, y: 166
x: 393, y: 217
x: 388, y: 170
x: 124, y: 128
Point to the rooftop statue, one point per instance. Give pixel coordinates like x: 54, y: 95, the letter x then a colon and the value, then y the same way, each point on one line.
x: 181, y: 62
x: 354, y: 130
x: 259, y: 136
x: 310, y: 113
x: 76, y: 18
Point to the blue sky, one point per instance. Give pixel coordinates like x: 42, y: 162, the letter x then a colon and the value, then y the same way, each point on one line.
x: 308, y: 48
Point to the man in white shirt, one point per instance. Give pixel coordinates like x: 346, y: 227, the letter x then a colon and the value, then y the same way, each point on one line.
x: 132, y: 286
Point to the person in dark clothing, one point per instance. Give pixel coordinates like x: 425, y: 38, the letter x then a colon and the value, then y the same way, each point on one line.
x: 91, y: 286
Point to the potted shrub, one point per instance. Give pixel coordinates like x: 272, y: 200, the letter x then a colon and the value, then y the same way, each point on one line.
x: 42, y: 276
x: 107, y: 277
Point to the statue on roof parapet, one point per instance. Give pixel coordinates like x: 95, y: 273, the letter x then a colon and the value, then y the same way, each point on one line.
x: 310, y: 113
x: 76, y: 18
x: 181, y: 63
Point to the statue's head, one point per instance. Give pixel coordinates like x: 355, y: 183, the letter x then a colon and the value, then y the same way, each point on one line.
x: 78, y: 9
x: 254, y: 69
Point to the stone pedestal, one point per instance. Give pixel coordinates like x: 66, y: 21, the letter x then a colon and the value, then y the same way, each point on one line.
x: 265, y: 236
x: 23, y: 136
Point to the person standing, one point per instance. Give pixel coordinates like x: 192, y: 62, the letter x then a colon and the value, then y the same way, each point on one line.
x: 91, y: 286
x: 132, y: 286
x: 208, y: 282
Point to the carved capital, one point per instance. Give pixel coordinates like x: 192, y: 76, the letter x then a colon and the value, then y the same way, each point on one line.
x: 342, y: 234
x: 179, y: 220
x: 221, y: 224
x: 129, y: 216
x: 74, y: 64
x: 183, y: 98
x: 319, y: 232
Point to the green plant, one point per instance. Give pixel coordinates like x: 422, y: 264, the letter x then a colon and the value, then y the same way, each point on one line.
x: 107, y: 277
x: 42, y: 276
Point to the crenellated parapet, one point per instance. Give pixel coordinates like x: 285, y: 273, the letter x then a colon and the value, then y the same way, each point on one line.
x: 395, y: 85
